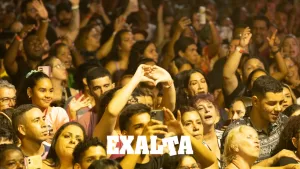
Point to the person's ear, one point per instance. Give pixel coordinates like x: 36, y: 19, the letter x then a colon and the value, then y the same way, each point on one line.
x: 22, y: 130
x: 76, y: 166
x: 113, y: 85
x: 295, y: 142
x: 234, y: 148
x: 181, y: 54
x: 84, y: 81
x: 255, y: 101
x: 29, y: 92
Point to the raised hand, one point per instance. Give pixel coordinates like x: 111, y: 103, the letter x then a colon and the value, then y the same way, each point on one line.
x: 93, y: 7
x: 160, y: 75
x: 183, y: 23
x: 154, y: 127
x: 119, y: 23
x: 160, y: 13
x: 39, y: 6
x: 245, y: 37
x: 77, y: 104
x: 274, y: 41
x: 174, y: 125
x: 143, y: 74
x: 26, y: 29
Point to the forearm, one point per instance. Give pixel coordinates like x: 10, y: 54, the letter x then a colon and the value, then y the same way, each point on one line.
x: 281, y: 66
x: 76, y: 57
x: 11, y: 56
x: 160, y: 33
x: 232, y: 64
x: 106, y: 47
x: 170, y: 50
x: 106, y: 19
x: 85, y: 20
x: 42, y: 31
x: 268, y: 162
x: 169, y: 98
x: 121, y: 97
x: 130, y: 160
x: 75, y: 24
x: 214, y: 33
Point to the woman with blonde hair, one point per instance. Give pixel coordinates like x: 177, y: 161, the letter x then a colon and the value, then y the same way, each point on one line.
x: 241, y: 148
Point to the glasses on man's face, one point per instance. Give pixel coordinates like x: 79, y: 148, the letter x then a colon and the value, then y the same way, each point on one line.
x: 7, y: 100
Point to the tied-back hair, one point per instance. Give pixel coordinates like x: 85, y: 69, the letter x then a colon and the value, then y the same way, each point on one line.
x: 29, y: 82
x: 52, y: 157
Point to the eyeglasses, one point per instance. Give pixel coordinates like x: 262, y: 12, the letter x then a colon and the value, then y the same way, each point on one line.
x: 194, y: 166
x: 7, y: 100
x: 60, y: 66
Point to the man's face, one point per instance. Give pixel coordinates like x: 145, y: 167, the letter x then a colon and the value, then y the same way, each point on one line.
x: 281, y: 20
x: 270, y: 106
x: 34, y: 48
x: 191, y: 54
x: 7, y: 98
x: 137, y: 124
x: 260, y: 32
x: 100, y: 86
x: 64, y: 18
x: 90, y: 155
x: 34, y: 126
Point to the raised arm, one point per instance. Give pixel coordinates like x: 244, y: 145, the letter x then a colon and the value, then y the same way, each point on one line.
x: 229, y: 78
x: 10, y: 57
x: 169, y: 93
x: 160, y: 26
x: 106, y: 47
x: 182, y: 24
x: 206, y: 157
x: 75, y: 23
x: 108, y: 121
x: 44, y: 21
x: 274, y: 43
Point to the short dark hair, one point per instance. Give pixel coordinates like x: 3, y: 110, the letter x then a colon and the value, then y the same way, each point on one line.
x: 183, y: 109
x: 83, y: 146
x: 129, y: 111
x: 182, y: 44
x: 5, y: 147
x: 24, y: 5
x: 63, y: 6
x: 265, y: 84
x: 18, y: 115
x: 97, y: 72
x: 105, y: 164
x: 9, y: 134
x: 261, y: 18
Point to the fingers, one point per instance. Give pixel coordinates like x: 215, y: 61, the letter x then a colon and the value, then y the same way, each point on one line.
x: 179, y: 116
x: 168, y: 114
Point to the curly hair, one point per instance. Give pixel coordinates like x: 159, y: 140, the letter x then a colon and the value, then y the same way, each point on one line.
x: 292, y: 129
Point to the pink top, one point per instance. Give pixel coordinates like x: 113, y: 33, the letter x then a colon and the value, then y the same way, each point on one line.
x: 55, y: 118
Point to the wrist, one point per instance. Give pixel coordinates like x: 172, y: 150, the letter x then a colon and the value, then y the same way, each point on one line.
x: 275, y: 51
x: 240, y: 49
x: 18, y: 38
x: 74, y: 7
x: 168, y: 84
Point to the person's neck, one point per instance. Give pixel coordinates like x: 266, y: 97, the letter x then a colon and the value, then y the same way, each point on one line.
x: 124, y: 55
x: 66, y: 163
x: 90, y: 48
x: 258, y: 122
x: 33, y: 64
x: 209, y: 133
x: 33, y: 148
x: 242, y: 163
x: 56, y: 83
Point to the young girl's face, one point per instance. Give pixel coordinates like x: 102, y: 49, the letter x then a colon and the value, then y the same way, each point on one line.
x: 42, y: 93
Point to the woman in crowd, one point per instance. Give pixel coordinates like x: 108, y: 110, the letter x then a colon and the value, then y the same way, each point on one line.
x: 11, y: 157
x: 58, y: 75
x: 289, y: 96
x: 239, y: 108
x: 119, y: 55
x: 38, y: 90
x: 61, y: 152
x: 241, y: 148
x: 209, y: 115
x: 290, y: 48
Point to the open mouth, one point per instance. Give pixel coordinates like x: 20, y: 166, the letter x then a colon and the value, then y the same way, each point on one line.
x: 207, y: 117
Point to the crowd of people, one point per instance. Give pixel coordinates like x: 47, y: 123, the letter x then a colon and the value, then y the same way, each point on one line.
x: 224, y: 73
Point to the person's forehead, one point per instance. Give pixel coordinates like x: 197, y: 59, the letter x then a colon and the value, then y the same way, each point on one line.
x: 140, y: 118
x: 94, y: 151
x: 33, y: 113
x: 274, y: 96
x: 260, y: 23
x: 6, y: 90
x: 101, y: 80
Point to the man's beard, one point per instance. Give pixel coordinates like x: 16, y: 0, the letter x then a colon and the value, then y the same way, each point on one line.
x: 65, y: 22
